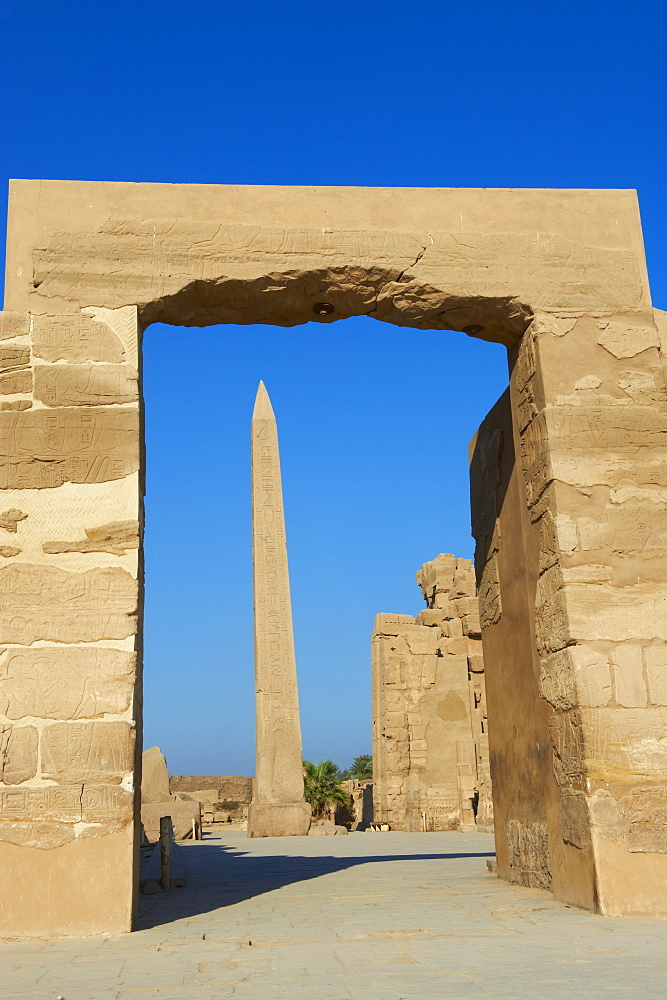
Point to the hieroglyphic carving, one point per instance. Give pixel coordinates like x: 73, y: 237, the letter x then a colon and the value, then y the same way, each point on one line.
x: 87, y: 751
x: 85, y: 385
x: 45, y: 448
x: 46, y: 817
x: 18, y: 754
x: 529, y: 858
x: 567, y: 741
x: 279, y: 760
x: 552, y: 626
x: 16, y: 404
x: 14, y: 324
x: 625, y: 340
x: 75, y: 337
x: 43, y: 602
x: 125, y: 260
x: 15, y: 373
x: 73, y: 682
x: 644, y: 812
x: 116, y: 537
x: 523, y: 374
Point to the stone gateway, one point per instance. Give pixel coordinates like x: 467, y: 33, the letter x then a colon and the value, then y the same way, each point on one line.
x: 569, y: 490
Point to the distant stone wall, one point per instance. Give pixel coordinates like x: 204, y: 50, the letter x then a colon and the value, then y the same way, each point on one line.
x: 430, y: 743
x: 213, y: 791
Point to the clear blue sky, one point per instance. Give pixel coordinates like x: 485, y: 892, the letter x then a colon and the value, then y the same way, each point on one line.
x: 373, y: 420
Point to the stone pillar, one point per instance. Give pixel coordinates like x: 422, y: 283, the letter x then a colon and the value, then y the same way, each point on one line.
x: 69, y: 609
x: 278, y: 808
x: 573, y: 593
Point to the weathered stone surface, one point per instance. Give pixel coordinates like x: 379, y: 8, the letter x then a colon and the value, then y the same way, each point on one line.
x: 41, y: 602
x: 117, y: 538
x: 14, y: 324
x: 9, y: 519
x: 154, y: 776
x: 430, y: 754
x: 13, y: 357
x: 71, y: 682
x: 87, y: 751
x: 656, y: 672
x: 624, y: 340
x: 45, y: 817
x: 278, y: 819
x: 278, y: 799
x: 86, y: 385
x: 628, y: 675
x: 17, y: 381
x: 327, y: 830
x: 45, y: 448
x: 16, y: 404
x: 183, y: 814
x: 18, y: 754
x: 75, y: 337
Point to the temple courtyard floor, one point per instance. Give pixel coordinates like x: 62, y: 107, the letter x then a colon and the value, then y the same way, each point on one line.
x: 370, y: 916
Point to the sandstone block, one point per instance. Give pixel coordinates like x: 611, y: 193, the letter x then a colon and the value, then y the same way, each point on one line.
x: 656, y: 670
x: 44, y: 448
x: 87, y: 751
x: 43, y: 602
x: 628, y: 675
x: 13, y: 324
x: 430, y: 617
x: 18, y: 754
x: 86, y: 385
x: 267, y: 819
x: 70, y: 682
x: 116, y: 537
x: 625, y: 340
x: 75, y: 337
x: 18, y: 381
x: 423, y: 642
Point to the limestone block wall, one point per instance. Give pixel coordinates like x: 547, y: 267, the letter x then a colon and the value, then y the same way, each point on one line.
x: 430, y: 744
x: 69, y: 611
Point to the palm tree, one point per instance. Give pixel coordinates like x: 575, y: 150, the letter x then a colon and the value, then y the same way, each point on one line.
x: 322, y: 786
x: 362, y: 767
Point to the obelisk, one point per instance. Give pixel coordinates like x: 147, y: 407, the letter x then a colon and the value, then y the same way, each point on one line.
x: 278, y: 808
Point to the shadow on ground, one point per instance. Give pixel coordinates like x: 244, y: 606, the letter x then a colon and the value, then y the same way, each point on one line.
x: 218, y: 875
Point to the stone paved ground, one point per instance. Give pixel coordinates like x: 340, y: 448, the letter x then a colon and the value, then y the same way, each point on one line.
x: 385, y: 916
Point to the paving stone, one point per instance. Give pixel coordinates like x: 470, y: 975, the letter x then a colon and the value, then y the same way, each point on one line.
x: 388, y: 916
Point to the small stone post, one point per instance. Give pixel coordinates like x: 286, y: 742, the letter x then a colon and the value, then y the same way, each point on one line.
x: 165, y: 852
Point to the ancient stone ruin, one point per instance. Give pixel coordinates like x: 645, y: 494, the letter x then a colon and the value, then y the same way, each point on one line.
x: 430, y: 743
x: 569, y: 491
x: 157, y: 800
x: 223, y: 798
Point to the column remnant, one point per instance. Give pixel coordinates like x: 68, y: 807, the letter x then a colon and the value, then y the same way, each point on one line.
x: 278, y: 808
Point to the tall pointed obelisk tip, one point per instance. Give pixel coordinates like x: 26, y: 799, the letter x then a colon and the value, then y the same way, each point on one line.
x: 263, y: 409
